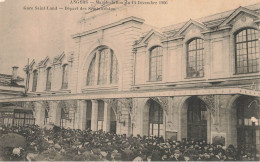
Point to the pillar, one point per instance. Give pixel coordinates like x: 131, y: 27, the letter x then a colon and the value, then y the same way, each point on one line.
x: 107, y: 110
x: 82, y: 114
x: 39, y: 114
x: 94, y: 115
x: 138, y: 124
x: 77, y: 116
x: 53, y: 113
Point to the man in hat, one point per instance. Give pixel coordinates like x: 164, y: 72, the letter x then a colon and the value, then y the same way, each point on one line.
x: 217, y: 155
x: 177, y: 156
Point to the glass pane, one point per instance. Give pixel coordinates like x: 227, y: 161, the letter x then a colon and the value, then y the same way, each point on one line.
x: 161, y: 126
x: 195, y: 58
x: 16, y: 115
x: 246, y: 47
x: 250, y: 122
x: 156, y: 55
x: 240, y: 121
x: 103, y: 60
x: 91, y: 72
x: 246, y: 121
x: 21, y: 115
x: 161, y: 132
x: 48, y: 80
x: 114, y: 69
x: 100, y: 125
x: 65, y: 77
x: 35, y: 76
x: 155, y: 126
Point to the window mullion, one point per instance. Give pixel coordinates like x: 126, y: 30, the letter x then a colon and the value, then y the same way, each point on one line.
x: 247, y: 52
x: 196, y: 64
x: 236, y: 43
x: 97, y: 67
x: 150, y: 66
x: 156, y: 64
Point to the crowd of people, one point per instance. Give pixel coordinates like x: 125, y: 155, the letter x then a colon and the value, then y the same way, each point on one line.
x: 59, y: 144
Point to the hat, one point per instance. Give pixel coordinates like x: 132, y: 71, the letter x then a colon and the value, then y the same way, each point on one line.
x: 138, y: 158
x: 177, y: 151
x: 103, y: 153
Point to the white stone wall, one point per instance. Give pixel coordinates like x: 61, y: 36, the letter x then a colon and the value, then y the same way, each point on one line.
x: 219, y: 55
x: 120, y: 39
x: 56, y: 80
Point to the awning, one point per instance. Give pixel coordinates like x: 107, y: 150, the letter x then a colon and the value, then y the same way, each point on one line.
x: 136, y: 94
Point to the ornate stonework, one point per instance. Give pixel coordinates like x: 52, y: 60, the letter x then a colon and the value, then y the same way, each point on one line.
x: 46, y: 105
x: 63, y: 105
x: 113, y: 103
x: 209, y: 101
x: 212, y: 104
x: 163, y: 101
x: 29, y: 105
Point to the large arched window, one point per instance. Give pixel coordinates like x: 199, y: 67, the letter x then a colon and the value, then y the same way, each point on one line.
x: 155, y: 67
x: 35, y: 77
x: 246, y: 51
x: 195, y: 58
x: 64, y: 77
x: 48, y: 79
x: 106, y: 64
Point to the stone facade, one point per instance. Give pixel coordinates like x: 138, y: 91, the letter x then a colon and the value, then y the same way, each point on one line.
x: 124, y: 106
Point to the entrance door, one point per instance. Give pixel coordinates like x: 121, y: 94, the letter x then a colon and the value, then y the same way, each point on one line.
x: 113, y: 127
x: 197, y: 120
x: 112, y: 121
x: 88, y: 115
x: 248, y: 129
x: 156, y: 126
x: 247, y: 139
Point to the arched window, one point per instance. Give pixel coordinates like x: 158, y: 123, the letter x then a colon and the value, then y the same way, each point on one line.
x: 106, y: 64
x: 48, y: 79
x: 64, y: 77
x: 155, y: 68
x: 246, y: 51
x: 35, y: 77
x: 195, y: 58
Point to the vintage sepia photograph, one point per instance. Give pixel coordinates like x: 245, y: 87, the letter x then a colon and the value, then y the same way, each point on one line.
x: 129, y: 80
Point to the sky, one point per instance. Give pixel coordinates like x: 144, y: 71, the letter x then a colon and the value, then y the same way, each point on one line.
x: 36, y: 34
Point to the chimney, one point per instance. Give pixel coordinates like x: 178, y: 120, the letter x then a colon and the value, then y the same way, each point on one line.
x: 14, y: 73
